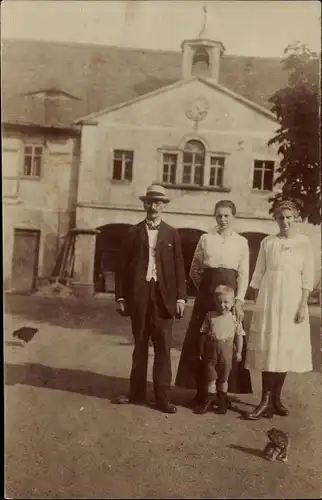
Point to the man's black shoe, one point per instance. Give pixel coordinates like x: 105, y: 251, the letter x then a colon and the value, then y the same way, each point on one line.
x: 166, y: 407
x: 126, y: 400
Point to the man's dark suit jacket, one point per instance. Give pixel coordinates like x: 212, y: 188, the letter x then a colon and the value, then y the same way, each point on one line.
x: 133, y: 264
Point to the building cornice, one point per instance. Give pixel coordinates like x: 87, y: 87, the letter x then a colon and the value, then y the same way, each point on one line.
x: 73, y: 130
x: 134, y: 208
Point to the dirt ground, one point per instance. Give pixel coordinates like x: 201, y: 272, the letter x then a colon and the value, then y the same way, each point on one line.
x: 64, y: 438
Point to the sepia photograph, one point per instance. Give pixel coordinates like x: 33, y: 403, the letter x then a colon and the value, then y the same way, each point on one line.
x: 161, y: 212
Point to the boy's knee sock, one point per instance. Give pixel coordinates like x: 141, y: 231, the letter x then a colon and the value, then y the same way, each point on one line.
x: 212, y: 387
x: 222, y: 387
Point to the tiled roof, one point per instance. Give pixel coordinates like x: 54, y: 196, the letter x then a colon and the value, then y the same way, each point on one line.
x: 102, y: 76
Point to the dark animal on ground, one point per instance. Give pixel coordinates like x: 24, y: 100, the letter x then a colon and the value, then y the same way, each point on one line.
x: 25, y: 333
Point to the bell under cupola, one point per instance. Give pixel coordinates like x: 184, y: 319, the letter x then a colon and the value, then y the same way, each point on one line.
x: 201, y: 56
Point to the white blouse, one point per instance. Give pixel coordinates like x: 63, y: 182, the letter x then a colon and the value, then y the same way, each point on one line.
x: 214, y: 250
x: 293, y: 254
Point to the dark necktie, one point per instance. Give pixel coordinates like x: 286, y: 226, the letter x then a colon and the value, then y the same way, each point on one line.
x: 151, y: 226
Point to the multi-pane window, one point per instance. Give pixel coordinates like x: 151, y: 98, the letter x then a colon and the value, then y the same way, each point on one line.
x: 123, y: 165
x: 193, y: 163
x: 169, y: 168
x: 32, y: 161
x: 217, y: 164
x: 263, y: 175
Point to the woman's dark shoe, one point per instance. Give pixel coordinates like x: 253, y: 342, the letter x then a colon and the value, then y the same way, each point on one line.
x: 197, y: 400
x: 204, y: 407
x: 264, y: 409
x: 192, y: 403
x: 223, y: 403
x: 279, y: 408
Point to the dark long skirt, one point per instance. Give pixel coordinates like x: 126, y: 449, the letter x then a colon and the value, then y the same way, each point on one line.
x: 189, y: 365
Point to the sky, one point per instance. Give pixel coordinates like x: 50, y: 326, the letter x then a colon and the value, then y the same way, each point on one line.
x: 250, y: 28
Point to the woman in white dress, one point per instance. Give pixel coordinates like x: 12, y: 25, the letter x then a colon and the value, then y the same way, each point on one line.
x: 279, y: 339
x: 221, y: 258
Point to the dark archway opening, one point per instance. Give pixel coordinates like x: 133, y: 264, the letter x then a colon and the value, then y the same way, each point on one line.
x: 200, y: 62
x: 108, y: 245
x: 254, y: 241
x: 109, y: 241
x: 189, y: 239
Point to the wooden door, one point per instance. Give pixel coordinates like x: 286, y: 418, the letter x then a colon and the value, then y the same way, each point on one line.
x: 25, y: 260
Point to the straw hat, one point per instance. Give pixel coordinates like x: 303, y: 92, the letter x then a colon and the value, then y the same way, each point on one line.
x: 155, y: 192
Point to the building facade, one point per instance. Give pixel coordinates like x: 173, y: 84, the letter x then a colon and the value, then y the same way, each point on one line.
x: 202, y: 141
x: 82, y: 141
x: 39, y: 180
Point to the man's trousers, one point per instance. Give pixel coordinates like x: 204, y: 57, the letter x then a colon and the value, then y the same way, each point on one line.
x: 151, y: 320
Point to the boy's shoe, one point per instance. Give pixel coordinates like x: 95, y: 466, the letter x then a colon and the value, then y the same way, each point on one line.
x: 223, y: 403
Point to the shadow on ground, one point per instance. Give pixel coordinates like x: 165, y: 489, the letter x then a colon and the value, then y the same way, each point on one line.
x: 83, y: 382
x: 100, y: 317
x: 249, y: 451
x: 14, y: 343
x: 64, y: 379
x: 80, y: 382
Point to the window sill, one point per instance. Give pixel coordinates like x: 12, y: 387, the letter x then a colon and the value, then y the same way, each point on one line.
x: 30, y: 178
x: 262, y: 191
x: 11, y: 200
x: 187, y: 187
x: 122, y: 181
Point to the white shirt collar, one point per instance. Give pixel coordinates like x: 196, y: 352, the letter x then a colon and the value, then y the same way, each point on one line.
x: 215, y: 231
x: 153, y: 223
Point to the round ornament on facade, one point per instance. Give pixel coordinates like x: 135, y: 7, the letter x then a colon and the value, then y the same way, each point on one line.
x: 197, y: 109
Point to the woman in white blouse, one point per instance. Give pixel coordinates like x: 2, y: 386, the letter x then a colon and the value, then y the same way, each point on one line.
x: 279, y: 339
x: 221, y: 258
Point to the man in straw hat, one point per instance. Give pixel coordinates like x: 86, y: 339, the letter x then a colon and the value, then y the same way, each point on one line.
x: 151, y: 289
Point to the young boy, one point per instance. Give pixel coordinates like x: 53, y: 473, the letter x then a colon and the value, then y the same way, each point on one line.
x: 218, y: 333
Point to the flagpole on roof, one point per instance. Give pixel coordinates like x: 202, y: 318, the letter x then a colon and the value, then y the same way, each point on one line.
x: 203, y: 29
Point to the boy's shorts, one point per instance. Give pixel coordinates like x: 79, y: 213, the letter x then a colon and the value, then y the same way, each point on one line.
x: 217, y: 356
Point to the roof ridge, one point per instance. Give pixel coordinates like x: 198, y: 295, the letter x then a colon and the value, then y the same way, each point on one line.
x: 132, y: 49
x: 125, y: 73
x: 82, y: 44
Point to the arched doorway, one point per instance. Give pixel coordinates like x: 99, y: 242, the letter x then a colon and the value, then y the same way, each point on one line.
x: 254, y: 241
x: 108, y: 245
x: 189, y: 238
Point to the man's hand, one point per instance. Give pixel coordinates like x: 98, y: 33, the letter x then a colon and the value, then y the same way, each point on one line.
x: 238, y: 357
x: 121, y: 308
x: 180, y: 309
x: 239, y: 310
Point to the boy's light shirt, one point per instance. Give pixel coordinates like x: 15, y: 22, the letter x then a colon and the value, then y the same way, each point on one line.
x: 222, y: 326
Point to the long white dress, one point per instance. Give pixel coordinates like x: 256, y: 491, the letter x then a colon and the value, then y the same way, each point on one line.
x: 276, y: 343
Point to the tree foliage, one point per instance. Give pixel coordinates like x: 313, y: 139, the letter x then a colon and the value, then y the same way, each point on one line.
x: 297, y: 109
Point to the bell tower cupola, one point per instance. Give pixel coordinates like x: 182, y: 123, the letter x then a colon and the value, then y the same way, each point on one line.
x: 201, y: 56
